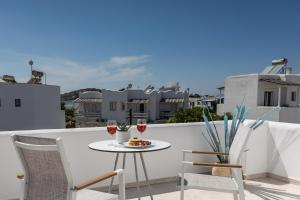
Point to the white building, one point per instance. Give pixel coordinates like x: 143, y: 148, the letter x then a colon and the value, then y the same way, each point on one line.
x: 148, y: 104
x: 195, y: 100
x: 87, y: 109
x: 30, y: 106
x: 264, y: 91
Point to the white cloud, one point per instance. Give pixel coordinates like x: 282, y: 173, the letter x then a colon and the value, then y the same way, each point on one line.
x: 70, y: 74
x: 127, y: 60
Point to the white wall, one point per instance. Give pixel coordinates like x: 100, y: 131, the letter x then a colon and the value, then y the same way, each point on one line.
x: 289, y: 96
x: 249, y: 86
x: 154, y: 99
x: 239, y: 87
x: 261, y: 110
x: 40, y: 107
x: 290, y: 115
x: 118, y: 97
x: 265, y: 86
x: 273, y: 148
x: 255, y: 159
x: 220, y: 109
x: 284, y: 148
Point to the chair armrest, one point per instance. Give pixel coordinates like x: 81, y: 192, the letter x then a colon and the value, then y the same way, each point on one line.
x: 206, y: 153
x: 96, y: 180
x: 20, y: 176
x: 213, y: 165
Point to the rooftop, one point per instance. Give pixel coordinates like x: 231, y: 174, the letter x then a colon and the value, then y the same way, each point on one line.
x: 270, y: 164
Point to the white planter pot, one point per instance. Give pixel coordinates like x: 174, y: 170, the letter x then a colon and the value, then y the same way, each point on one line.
x: 123, y: 136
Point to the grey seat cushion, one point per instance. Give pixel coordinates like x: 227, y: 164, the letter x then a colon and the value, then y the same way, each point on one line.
x: 87, y: 194
x: 204, y: 181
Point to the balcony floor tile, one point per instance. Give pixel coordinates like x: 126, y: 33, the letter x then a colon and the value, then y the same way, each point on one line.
x: 258, y: 189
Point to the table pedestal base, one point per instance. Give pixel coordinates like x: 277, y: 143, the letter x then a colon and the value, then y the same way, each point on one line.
x: 136, y: 173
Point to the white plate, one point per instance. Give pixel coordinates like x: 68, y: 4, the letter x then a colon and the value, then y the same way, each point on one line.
x: 126, y: 144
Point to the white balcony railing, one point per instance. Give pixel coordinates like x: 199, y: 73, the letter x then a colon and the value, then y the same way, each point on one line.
x: 139, y: 115
x: 272, y: 148
x: 166, y: 114
x: 87, y: 114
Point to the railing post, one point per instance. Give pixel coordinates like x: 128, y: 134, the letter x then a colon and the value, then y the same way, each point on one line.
x: 279, y: 97
x: 130, y: 116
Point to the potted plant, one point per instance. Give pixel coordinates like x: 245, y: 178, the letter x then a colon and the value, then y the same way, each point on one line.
x: 123, y: 133
x: 213, y: 138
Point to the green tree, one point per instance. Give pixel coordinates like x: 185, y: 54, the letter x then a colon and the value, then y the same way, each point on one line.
x: 70, y: 118
x: 194, y: 115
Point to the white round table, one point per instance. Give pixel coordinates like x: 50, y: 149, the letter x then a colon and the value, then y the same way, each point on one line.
x: 113, y: 147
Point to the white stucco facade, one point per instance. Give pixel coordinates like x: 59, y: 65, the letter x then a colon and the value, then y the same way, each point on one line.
x: 87, y: 109
x: 30, y: 106
x: 149, y: 104
x: 261, y: 93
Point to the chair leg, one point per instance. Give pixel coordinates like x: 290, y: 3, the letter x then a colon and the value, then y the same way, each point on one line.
x: 242, y: 195
x: 235, y: 196
x: 182, y: 187
x: 122, y: 195
x: 112, y: 179
x: 182, y: 178
x: 182, y: 194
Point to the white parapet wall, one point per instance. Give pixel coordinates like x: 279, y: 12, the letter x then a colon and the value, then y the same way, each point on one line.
x: 87, y: 164
x: 220, y: 109
x: 284, y: 150
x: 272, y: 148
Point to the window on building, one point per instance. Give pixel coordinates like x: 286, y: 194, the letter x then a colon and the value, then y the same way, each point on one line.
x: 122, y: 106
x: 91, y: 107
x: 112, y: 106
x: 142, y: 108
x: 293, y: 96
x: 17, y: 102
x: 268, y: 98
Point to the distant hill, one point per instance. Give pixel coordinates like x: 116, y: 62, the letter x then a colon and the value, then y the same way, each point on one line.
x: 74, y: 94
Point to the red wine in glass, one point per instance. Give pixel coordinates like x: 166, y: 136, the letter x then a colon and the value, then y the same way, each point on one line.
x: 111, y: 127
x: 141, y: 125
x: 112, y: 130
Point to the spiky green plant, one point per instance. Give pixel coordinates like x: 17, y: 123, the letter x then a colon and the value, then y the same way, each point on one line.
x: 123, y: 127
x: 239, y: 115
x: 212, y: 135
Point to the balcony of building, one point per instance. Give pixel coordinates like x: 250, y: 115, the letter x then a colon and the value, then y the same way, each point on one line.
x: 270, y: 165
x: 138, y: 109
x: 169, y: 106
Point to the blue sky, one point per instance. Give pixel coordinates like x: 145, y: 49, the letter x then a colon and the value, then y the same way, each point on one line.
x: 108, y: 44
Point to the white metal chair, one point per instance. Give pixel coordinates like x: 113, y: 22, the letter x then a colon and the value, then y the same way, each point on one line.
x: 47, y: 173
x: 233, y: 184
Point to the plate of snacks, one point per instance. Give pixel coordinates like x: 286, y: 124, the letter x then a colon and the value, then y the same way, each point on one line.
x: 137, y: 143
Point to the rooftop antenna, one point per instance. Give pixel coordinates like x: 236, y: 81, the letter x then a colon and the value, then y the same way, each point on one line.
x: 30, y: 63
x: 45, y: 78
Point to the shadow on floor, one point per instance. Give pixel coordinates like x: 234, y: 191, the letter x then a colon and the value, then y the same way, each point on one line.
x: 268, y: 193
x: 265, y: 188
x: 156, y: 189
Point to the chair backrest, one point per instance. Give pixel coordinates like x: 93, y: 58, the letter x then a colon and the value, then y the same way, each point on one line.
x: 239, y: 143
x: 47, y: 175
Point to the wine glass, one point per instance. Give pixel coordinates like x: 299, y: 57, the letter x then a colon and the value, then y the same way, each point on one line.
x: 111, y: 126
x: 141, y: 125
